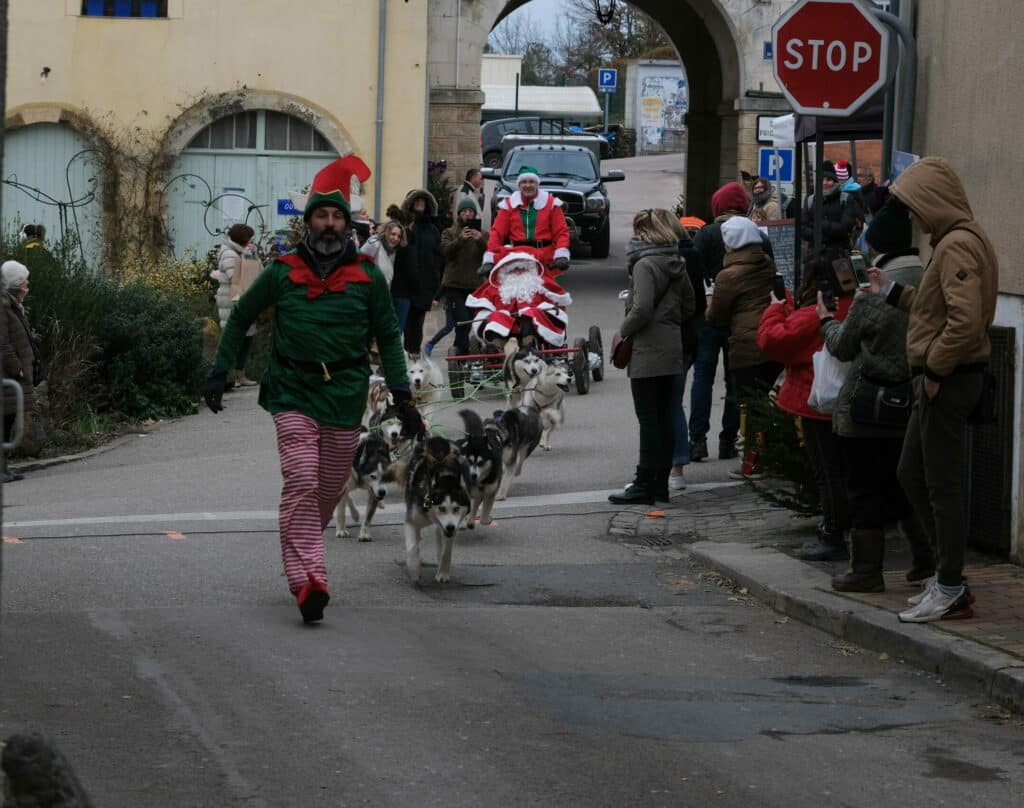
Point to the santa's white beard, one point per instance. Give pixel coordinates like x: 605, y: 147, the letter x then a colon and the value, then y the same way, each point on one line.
x: 520, y: 287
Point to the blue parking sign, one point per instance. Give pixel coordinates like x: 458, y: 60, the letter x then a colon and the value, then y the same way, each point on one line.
x: 607, y: 79
x: 769, y: 163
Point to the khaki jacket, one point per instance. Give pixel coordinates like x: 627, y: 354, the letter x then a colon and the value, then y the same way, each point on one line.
x: 742, y: 293
x: 951, y: 311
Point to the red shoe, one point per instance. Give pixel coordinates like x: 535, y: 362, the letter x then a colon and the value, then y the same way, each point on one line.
x: 311, y: 599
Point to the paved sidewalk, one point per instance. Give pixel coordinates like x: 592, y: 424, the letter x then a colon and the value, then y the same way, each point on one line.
x: 732, y: 531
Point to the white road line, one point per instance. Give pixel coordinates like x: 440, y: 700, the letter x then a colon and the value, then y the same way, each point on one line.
x: 175, y: 519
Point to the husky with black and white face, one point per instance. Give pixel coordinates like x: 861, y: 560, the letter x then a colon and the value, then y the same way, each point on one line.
x: 520, y: 367
x: 372, y: 470
x: 519, y: 431
x: 436, y: 493
x: 481, y: 452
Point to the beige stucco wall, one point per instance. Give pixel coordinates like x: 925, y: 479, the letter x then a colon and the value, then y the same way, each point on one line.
x: 970, y: 111
x: 322, y: 54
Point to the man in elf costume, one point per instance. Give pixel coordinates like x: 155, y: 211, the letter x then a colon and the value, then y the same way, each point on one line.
x: 530, y: 218
x: 329, y: 304
x: 521, y: 299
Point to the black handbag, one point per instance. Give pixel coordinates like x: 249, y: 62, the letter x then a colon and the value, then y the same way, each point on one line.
x: 882, y: 405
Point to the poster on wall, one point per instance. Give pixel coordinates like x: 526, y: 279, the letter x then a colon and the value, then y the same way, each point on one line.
x: 664, y: 100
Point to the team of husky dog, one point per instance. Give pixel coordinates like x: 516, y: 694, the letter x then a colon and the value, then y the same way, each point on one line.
x: 449, y: 484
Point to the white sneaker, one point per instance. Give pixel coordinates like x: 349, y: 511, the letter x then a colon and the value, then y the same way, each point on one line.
x: 676, y: 482
x: 926, y: 587
x: 936, y: 606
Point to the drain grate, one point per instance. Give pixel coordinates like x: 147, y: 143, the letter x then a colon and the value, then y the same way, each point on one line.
x: 654, y: 541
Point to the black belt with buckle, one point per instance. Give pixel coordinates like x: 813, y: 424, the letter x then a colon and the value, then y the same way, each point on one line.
x: 538, y: 243
x: 323, y: 368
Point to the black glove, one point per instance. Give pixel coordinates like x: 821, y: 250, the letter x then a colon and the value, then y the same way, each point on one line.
x: 213, y: 393
x: 412, y: 421
x: 485, y: 270
x: 561, y: 263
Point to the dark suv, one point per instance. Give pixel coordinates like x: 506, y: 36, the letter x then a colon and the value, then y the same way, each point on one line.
x: 492, y: 132
x: 572, y: 174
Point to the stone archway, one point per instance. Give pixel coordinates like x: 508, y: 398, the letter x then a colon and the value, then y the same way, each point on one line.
x: 719, y: 43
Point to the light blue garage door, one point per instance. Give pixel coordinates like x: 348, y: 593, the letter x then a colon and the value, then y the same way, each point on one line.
x: 241, y: 169
x: 52, y: 177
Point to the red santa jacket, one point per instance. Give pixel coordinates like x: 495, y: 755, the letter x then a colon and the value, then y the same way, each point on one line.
x: 792, y: 338
x: 549, y: 228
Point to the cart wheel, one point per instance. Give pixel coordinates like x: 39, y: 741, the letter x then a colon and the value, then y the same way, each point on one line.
x: 456, y: 375
x: 581, y: 367
x: 594, y: 341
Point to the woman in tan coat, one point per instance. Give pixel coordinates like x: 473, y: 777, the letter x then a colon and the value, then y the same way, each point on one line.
x: 740, y: 294
x: 18, y: 354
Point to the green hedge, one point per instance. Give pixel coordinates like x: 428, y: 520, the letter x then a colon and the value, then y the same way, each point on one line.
x: 133, y: 349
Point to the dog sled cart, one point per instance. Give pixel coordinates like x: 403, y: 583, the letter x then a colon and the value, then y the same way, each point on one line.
x: 536, y: 316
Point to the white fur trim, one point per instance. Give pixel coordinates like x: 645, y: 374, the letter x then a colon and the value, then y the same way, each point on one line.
x: 497, y: 328
x: 488, y: 258
x: 527, y: 175
x: 516, y: 200
x: 553, y: 338
x: 554, y: 312
x: 475, y: 302
x: 563, y: 252
x: 513, y: 258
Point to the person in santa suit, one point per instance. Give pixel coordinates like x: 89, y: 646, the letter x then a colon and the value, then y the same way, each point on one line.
x: 532, y: 218
x: 329, y: 304
x: 520, y: 299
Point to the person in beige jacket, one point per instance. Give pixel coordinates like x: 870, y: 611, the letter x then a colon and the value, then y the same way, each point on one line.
x: 947, y: 349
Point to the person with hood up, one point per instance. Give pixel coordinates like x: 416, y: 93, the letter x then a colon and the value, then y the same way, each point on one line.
x: 425, y: 243
x: 728, y: 201
x: 329, y: 305
x: 229, y: 258
x: 792, y: 337
x: 839, y: 212
x: 659, y: 300
x: 764, y: 204
x: 948, y: 349
x: 739, y: 295
x: 873, y: 337
x: 462, y: 248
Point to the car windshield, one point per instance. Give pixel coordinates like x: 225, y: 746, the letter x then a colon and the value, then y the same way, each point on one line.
x: 572, y: 165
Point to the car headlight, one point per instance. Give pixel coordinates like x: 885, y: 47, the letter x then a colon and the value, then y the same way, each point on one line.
x: 596, y: 202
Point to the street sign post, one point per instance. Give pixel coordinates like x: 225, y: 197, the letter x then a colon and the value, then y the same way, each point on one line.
x: 830, y: 56
x: 607, y: 83
x: 776, y: 164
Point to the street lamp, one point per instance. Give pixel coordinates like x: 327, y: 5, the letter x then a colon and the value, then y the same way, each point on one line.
x: 604, y: 10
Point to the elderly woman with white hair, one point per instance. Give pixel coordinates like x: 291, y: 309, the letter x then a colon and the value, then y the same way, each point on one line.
x: 18, y: 354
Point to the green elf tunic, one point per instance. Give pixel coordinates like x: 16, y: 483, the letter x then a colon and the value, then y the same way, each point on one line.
x: 318, y: 321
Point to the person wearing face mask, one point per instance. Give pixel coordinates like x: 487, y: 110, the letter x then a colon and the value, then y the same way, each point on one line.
x: 329, y: 304
x: 764, y: 205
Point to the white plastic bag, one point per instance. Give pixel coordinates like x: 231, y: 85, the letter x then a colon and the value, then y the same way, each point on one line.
x: 829, y: 377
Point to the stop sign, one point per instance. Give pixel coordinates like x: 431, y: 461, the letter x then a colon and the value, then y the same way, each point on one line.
x: 830, y: 56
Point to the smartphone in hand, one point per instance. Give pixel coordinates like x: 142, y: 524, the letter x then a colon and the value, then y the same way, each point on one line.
x: 860, y: 270
x: 779, y: 287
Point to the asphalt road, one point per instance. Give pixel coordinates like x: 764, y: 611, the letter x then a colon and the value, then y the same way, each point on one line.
x: 147, y: 628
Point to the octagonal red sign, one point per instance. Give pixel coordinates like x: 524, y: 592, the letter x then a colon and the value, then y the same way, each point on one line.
x: 830, y: 56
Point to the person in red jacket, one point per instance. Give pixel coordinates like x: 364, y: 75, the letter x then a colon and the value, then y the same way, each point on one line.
x: 532, y: 218
x: 792, y: 337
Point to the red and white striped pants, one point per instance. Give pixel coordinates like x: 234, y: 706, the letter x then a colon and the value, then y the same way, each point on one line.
x: 315, y: 463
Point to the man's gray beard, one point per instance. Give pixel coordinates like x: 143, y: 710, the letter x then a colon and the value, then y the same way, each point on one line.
x: 520, y: 287
x: 328, y: 246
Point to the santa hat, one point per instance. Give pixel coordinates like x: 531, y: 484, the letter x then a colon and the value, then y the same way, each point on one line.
x: 332, y: 185
x: 527, y: 173
x: 514, y: 260
x: 842, y: 171
x: 739, y: 232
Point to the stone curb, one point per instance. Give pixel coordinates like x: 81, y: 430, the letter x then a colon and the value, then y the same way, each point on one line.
x: 799, y: 591
x: 47, y: 462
